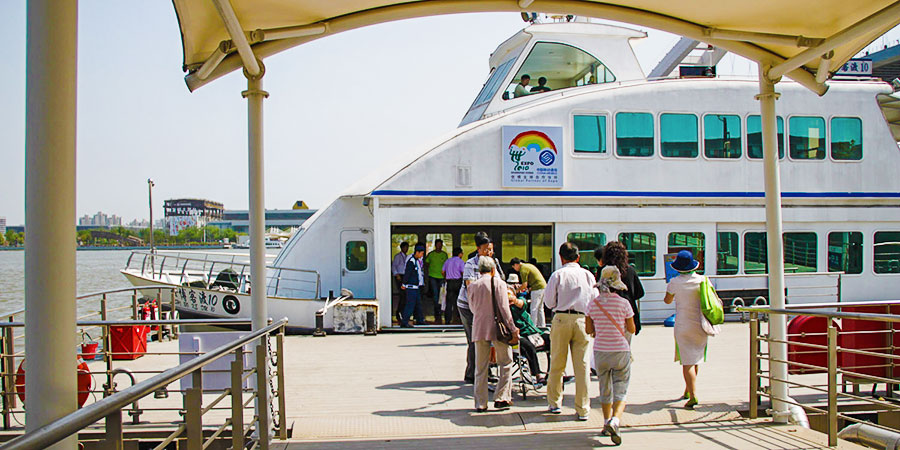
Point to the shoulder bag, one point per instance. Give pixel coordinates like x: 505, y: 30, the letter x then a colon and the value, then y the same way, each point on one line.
x: 504, y: 334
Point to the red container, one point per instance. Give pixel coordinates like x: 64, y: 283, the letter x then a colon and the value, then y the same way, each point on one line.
x: 89, y: 351
x: 866, y: 335
x: 816, y: 330
x: 128, y: 341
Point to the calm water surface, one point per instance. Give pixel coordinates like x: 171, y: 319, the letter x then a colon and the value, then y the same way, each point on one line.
x: 96, y: 270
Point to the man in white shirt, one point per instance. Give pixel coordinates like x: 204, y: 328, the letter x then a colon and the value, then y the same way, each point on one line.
x: 398, y: 266
x: 568, y: 292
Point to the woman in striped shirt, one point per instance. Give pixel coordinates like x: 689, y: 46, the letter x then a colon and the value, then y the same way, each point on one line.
x: 610, y: 321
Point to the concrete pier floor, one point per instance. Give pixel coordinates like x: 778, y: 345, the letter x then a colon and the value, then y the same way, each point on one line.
x: 406, y: 391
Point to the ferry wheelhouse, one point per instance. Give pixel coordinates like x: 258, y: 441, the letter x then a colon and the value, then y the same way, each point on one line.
x: 607, y: 154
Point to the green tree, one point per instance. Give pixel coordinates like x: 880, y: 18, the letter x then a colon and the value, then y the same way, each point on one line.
x: 2, y: 240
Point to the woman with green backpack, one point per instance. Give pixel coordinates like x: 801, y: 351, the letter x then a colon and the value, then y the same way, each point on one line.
x: 690, y: 339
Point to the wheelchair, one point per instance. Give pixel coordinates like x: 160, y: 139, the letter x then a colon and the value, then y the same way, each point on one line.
x: 521, y: 371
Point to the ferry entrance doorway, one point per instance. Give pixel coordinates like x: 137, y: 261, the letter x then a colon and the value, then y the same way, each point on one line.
x: 527, y: 242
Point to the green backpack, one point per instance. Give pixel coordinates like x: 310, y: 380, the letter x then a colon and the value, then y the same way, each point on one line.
x: 710, y: 304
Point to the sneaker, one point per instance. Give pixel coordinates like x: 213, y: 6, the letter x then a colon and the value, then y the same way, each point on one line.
x: 582, y: 418
x: 480, y: 410
x: 554, y: 410
x: 691, y: 403
x: 502, y: 405
x: 568, y: 378
x: 612, y: 428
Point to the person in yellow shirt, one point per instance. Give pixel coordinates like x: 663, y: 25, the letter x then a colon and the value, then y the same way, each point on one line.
x: 533, y: 281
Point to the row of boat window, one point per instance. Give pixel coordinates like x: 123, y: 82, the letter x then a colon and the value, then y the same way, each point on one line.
x: 845, y: 251
x: 723, y: 136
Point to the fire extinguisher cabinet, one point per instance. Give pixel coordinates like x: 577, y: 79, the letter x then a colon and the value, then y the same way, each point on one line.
x: 128, y: 341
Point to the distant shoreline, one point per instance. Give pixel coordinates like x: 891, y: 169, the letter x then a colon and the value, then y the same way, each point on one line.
x: 168, y: 247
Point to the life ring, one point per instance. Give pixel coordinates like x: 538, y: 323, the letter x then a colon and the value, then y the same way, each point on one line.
x: 85, y: 380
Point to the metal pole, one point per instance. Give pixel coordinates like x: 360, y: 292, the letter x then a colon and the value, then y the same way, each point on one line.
x: 150, y: 185
x: 754, y: 365
x: 50, y: 111
x: 777, y: 326
x: 259, y: 311
x: 832, y: 384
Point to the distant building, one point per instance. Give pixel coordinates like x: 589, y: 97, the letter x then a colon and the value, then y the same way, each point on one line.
x: 190, y: 212
x: 139, y: 224
x: 2, y: 225
x: 239, y: 219
x: 100, y: 220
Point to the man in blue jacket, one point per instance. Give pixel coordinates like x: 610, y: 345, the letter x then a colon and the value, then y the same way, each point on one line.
x: 413, y: 284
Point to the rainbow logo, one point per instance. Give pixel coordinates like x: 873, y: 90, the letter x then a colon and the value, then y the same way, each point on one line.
x: 533, y: 140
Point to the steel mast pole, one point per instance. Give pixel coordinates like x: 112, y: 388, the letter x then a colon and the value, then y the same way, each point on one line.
x: 50, y: 107
x: 777, y: 327
x: 150, y: 185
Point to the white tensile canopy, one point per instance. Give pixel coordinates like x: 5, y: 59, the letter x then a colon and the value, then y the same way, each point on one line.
x: 805, y: 40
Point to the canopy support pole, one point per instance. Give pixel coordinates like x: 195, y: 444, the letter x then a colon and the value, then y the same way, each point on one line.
x: 256, y: 180
x: 50, y: 214
x: 777, y: 327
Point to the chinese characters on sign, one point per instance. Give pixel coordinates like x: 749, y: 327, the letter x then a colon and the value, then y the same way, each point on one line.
x: 532, y: 156
x: 856, y: 67
x: 198, y: 301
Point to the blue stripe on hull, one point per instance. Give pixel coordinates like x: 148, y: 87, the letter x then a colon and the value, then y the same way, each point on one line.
x: 673, y: 194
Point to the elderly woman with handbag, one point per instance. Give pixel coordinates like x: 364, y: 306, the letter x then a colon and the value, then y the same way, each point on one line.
x: 492, y: 324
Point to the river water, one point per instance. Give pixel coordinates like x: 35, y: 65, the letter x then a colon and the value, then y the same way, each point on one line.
x: 96, y: 270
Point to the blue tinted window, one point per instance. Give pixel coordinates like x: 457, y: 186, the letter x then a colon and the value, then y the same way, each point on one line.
x: 590, y: 134
x: 634, y: 134
x: 722, y: 136
x: 807, y: 137
x: 846, y: 138
x: 678, y: 135
x: 754, y: 137
x: 493, y: 82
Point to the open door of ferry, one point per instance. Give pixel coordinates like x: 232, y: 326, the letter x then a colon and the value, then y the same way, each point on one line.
x: 357, y: 269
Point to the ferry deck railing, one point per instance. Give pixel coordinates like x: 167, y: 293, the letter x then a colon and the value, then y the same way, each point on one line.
x: 191, y: 429
x: 839, y: 344
x: 222, y: 271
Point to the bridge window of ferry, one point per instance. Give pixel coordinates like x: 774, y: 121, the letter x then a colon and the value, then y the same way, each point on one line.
x: 887, y: 252
x: 641, y: 252
x: 561, y: 65
x: 587, y: 243
x: 590, y: 133
x: 806, y: 137
x: 845, y: 252
x: 634, y: 134
x: 727, y: 253
x: 756, y: 257
x: 800, y: 252
x: 846, y: 138
x: 678, y: 135
x: 722, y: 136
x: 754, y: 137
x: 695, y: 242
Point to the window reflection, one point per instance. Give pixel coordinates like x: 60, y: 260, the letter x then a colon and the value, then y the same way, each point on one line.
x: 551, y: 66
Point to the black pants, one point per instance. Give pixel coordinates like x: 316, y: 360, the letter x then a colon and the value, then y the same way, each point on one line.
x: 530, y: 353
x: 453, y: 287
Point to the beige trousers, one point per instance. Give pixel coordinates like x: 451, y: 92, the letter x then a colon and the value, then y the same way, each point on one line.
x: 482, y: 362
x: 568, y: 334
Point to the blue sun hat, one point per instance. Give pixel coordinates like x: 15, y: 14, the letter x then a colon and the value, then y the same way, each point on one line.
x: 685, y: 262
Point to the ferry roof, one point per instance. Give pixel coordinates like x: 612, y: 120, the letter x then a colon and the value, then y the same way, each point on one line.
x: 795, y: 38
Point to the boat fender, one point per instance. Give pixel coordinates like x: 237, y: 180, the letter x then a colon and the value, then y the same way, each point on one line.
x: 85, y: 381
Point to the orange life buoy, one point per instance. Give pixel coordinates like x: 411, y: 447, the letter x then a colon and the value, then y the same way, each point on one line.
x: 84, y: 381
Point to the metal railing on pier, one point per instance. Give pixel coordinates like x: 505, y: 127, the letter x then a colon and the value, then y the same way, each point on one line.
x: 191, y: 429
x: 223, y: 271
x: 856, y: 340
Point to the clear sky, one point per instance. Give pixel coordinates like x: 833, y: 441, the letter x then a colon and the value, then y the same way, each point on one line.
x: 338, y: 107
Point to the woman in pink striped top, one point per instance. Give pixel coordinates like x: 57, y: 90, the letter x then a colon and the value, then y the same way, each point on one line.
x: 610, y: 321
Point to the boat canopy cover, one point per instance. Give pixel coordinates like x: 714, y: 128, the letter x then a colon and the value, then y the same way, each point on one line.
x: 766, y: 31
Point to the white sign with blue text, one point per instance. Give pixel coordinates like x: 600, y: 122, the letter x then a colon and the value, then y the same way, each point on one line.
x: 532, y: 157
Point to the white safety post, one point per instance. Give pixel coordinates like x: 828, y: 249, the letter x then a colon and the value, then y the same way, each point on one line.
x: 50, y: 213
x: 777, y: 328
x: 256, y: 166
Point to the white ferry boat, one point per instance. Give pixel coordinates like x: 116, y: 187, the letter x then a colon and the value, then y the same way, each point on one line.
x: 604, y: 154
